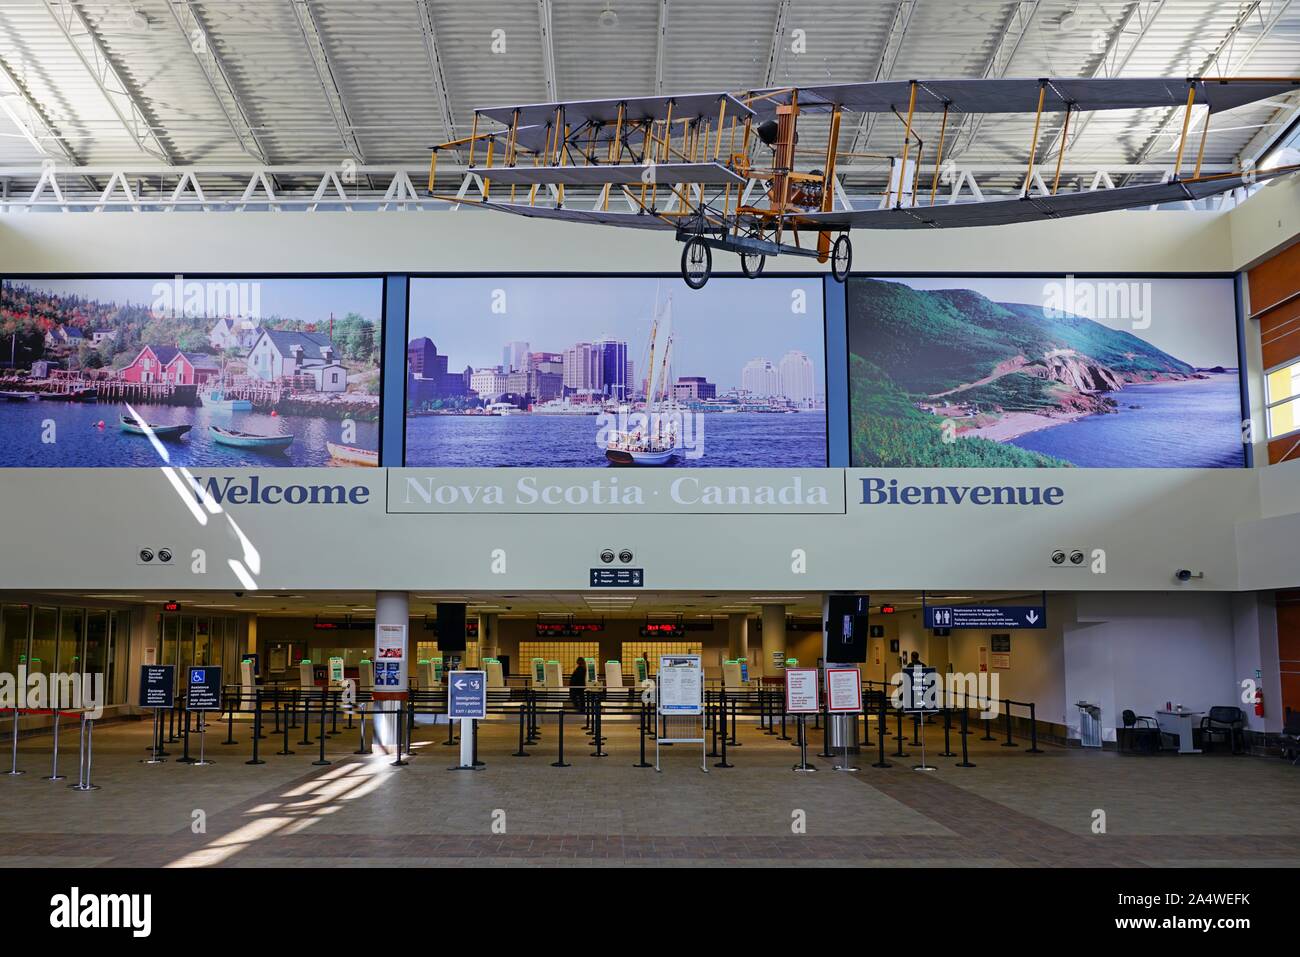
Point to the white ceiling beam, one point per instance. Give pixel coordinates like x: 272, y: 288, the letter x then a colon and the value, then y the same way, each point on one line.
x: 214, y: 70
x: 548, y: 49
x: 1267, y: 13
x: 441, y: 97
x: 325, y: 73
x: 885, y: 66
x: 778, y: 43
x: 31, y: 119
x: 79, y: 33
x: 661, y: 47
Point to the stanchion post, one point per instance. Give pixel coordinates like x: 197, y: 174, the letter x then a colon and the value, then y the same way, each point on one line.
x: 523, y: 706
x: 13, y: 766
x: 643, y: 763
x: 560, y: 762
x: 54, y: 774
x: 965, y: 761
x: 1006, y: 705
x: 1033, y: 730
x: 284, y: 747
x: 257, y: 726
x: 882, y: 732
x: 900, y: 736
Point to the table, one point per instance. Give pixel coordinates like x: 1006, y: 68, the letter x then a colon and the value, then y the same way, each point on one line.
x: 1180, y: 723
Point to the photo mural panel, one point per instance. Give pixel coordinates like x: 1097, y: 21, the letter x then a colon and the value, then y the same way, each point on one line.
x: 214, y: 371
x: 1063, y: 371
x: 615, y: 371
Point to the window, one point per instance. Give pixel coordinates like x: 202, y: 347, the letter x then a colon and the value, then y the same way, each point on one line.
x: 1282, y: 395
x: 13, y: 637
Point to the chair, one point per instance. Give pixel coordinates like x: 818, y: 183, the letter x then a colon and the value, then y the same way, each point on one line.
x: 1289, y: 739
x: 1143, y: 738
x: 1225, y: 721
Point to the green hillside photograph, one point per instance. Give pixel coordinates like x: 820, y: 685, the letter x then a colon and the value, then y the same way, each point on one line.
x: 1044, y: 372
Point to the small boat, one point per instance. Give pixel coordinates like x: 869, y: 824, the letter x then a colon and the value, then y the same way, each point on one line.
x: 216, y: 399
x: 17, y: 396
x: 132, y: 427
x: 248, y: 440
x: 619, y: 456
x: 79, y: 395
x: 352, y: 455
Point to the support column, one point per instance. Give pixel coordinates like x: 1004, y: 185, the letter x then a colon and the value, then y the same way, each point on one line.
x: 774, y: 655
x: 1256, y: 658
x: 489, y: 641
x: 738, y: 635
x: 392, y: 620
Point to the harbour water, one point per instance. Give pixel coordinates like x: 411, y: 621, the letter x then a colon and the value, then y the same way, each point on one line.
x: 1190, y: 424
x: 80, y: 442
x: 731, y: 440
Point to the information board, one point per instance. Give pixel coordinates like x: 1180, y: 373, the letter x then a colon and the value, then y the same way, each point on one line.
x: 922, y: 689
x: 157, y: 686
x: 681, y: 684
x: 843, y: 690
x: 985, y: 616
x: 204, y: 689
x: 390, y: 642
x: 801, y: 691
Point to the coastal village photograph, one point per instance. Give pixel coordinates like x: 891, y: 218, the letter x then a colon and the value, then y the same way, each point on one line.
x: 591, y: 372
x: 190, y: 372
x: 1044, y: 372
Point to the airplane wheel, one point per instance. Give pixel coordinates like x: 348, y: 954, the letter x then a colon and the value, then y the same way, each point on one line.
x: 751, y: 264
x: 697, y: 262
x: 841, y: 258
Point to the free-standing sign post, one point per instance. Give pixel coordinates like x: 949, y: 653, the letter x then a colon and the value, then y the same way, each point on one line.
x: 844, y: 697
x: 679, y: 693
x: 157, y: 692
x: 801, y: 700
x: 203, y: 693
x: 466, y: 702
x: 921, y: 682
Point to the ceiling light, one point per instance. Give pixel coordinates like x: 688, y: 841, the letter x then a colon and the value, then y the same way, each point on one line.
x: 608, y: 18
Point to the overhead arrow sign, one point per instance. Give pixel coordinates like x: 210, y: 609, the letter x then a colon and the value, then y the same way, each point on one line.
x: 985, y: 616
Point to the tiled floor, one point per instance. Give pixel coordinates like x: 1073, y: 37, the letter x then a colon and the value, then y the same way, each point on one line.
x: 1011, y: 809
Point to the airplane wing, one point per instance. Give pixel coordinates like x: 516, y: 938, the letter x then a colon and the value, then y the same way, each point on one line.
x: 638, y: 220
x: 624, y: 174
x: 1030, y: 208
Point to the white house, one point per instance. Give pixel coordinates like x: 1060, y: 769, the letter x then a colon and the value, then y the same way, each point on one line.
x: 277, y: 354
x: 234, y: 333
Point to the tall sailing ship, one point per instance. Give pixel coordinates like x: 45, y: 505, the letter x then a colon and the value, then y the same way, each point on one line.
x: 658, y: 443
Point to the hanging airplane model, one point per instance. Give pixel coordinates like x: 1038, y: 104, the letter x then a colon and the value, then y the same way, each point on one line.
x: 684, y: 162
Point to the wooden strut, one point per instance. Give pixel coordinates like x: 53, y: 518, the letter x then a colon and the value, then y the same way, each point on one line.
x: 1033, y: 145
x: 1060, y: 154
x: 907, y: 143
x: 938, y: 161
x: 1187, y: 118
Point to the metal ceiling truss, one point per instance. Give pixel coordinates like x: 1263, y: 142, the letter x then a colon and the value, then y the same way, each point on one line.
x: 547, y: 38
x: 30, y: 118
x: 77, y: 29
x: 661, y: 47
x: 1226, y: 59
x: 885, y: 67
x: 1124, y: 40
x: 440, y: 96
x: 214, y: 70
x: 325, y: 73
x: 1005, y: 48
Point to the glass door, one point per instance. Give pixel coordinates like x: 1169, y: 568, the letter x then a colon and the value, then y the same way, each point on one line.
x: 15, y: 621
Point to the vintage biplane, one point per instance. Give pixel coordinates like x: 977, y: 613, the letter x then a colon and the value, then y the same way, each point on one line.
x: 696, y: 163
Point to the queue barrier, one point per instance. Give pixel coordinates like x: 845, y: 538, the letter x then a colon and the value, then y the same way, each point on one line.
x: 85, y: 747
x: 290, y: 706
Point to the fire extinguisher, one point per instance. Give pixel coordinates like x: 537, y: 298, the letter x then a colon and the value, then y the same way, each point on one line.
x: 1259, y: 703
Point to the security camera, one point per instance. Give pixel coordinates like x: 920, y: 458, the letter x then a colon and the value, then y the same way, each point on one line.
x: 239, y: 594
x: 625, y: 556
x: 1186, y: 574
x: 607, y: 555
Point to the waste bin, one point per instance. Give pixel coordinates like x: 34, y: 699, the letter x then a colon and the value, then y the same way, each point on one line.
x: 843, y: 731
x: 1089, y: 724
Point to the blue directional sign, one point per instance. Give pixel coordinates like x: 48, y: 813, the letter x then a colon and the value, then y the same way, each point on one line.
x: 985, y: 616
x: 467, y: 692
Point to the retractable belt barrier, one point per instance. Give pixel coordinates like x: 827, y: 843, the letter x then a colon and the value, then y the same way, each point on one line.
x: 530, y: 706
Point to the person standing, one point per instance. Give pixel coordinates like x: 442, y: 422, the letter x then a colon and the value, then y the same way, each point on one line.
x: 578, y: 684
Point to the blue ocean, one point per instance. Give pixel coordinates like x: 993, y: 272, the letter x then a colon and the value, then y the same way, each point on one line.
x: 80, y: 442
x: 734, y: 440
x: 1193, y: 424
